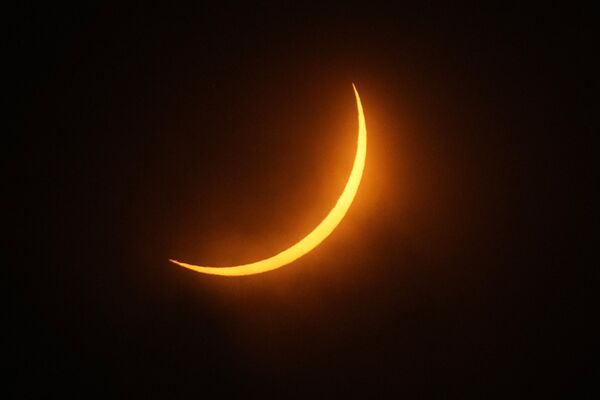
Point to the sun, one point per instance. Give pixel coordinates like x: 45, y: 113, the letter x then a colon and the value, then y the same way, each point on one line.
x: 318, y: 234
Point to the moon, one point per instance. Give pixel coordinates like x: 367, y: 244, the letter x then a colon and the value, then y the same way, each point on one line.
x: 318, y: 234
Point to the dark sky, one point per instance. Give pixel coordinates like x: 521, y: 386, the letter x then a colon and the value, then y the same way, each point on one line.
x: 223, y: 135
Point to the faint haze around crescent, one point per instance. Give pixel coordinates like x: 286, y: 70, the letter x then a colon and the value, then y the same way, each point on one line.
x: 320, y: 233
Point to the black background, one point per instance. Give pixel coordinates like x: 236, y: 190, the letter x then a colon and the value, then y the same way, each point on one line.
x: 221, y: 135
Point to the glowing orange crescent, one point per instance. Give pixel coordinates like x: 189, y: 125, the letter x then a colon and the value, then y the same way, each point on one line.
x: 324, y: 229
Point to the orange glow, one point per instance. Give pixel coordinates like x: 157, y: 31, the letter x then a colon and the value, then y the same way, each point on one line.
x: 320, y: 233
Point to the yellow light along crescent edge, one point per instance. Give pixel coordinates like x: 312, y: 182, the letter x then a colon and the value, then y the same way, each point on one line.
x: 320, y: 233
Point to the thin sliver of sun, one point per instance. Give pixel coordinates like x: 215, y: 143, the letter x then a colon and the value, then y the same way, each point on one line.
x: 318, y: 234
